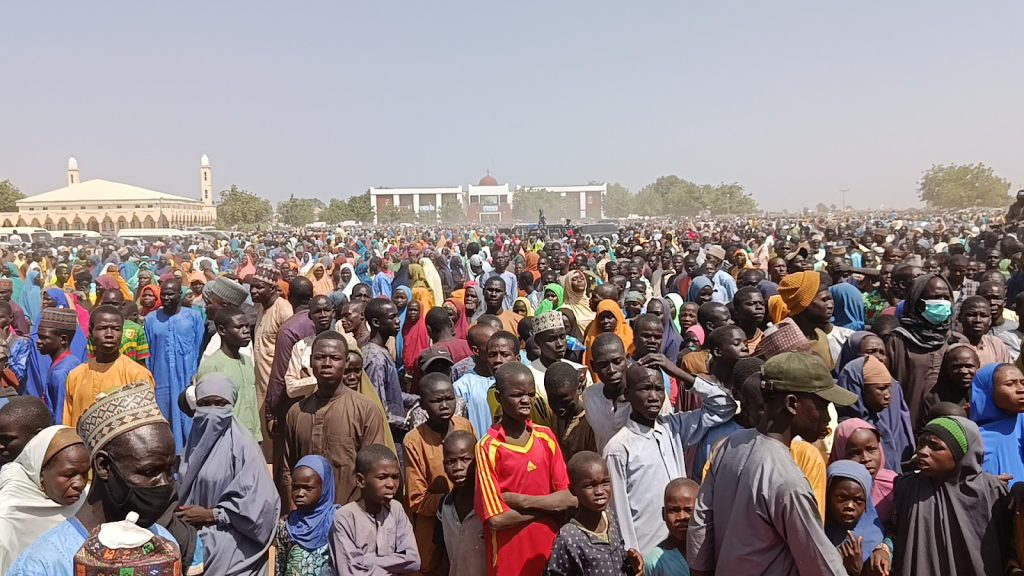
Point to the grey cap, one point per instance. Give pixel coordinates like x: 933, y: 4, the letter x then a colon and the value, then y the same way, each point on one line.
x: 227, y: 290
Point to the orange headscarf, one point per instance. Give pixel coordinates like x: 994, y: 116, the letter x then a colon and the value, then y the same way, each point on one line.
x: 622, y: 329
x: 533, y: 264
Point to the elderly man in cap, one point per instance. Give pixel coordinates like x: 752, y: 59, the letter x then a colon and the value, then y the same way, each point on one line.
x: 271, y: 313
x: 724, y: 283
x: 756, y: 512
x: 131, y: 449
x: 19, y: 321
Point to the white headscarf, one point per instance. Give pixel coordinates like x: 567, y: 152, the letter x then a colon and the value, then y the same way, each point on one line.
x: 347, y: 290
x: 25, y: 511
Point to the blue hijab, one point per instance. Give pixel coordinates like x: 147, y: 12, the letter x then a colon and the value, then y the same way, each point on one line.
x: 399, y: 339
x: 39, y: 364
x: 869, y: 526
x: 1001, y: 432
x: 893, y: 423
x: 696, y: 285
x: 849, y: 306
x: 311, y: 529
x: 31, y: 299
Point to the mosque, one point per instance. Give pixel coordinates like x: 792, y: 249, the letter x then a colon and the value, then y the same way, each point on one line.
x: 105, y: 206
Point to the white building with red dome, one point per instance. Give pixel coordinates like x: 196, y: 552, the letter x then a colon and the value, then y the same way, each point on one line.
x: 488, y: 200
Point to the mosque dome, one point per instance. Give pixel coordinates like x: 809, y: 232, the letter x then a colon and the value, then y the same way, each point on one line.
x: 72, y: 163
x: 488, y: 180
x: 204, y: 161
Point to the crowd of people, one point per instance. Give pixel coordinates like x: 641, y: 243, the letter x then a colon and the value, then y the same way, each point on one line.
x: 779, y: 396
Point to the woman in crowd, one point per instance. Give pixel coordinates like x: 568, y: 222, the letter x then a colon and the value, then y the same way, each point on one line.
x: 574, y: 285
x: 997, y: 403
x: 45, y: 485
x: 951, y: 518
x: 916, y: 347
x: 149, y: 299
x: 227, y: 492
x: 880, y: 402
x: 323, y: 283
x: 860, y: 441
x: 849, y: 306
x: 701, y: 290
x: 457, y: 312
x: 609, y: 318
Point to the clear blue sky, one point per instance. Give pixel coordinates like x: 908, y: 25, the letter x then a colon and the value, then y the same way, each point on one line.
x: 794, y: 100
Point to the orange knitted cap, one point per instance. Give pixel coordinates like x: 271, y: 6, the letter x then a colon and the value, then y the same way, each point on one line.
x: 798, y: 290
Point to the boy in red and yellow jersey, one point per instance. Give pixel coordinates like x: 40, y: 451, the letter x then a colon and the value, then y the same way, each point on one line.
x: 522, y: 483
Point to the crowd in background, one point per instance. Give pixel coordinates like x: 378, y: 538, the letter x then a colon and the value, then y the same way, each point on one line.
x: 834, y: 394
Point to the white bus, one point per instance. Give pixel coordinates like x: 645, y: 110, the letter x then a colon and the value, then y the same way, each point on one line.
x: 152, y: 234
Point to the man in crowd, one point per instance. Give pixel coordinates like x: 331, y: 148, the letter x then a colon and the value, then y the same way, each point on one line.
x: 755, y: 512
x: 107, y: 370
x: 176, y: 335
x: 335, y: 422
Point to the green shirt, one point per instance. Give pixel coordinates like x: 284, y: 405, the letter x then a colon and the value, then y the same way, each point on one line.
x: 242, y: 373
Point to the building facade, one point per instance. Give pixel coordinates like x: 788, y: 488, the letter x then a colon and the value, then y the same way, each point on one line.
x: 489, y: 201
x: 106, y: 206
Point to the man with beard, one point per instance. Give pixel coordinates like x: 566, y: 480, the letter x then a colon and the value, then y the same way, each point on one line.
x: 132, y: 451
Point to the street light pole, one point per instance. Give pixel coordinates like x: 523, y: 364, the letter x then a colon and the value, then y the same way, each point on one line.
x: 843, y: 191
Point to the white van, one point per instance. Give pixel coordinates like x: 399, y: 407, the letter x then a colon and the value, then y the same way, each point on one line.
x: 28, y: 234
x: 152, y: 234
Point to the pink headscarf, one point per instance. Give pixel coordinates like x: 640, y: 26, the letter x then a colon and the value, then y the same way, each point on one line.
x: 882, y: 493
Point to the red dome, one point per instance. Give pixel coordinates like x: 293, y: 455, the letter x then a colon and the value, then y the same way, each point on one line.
x: 488, y: 181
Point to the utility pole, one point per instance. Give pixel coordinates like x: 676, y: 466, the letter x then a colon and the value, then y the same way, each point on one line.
x: 843, y: 191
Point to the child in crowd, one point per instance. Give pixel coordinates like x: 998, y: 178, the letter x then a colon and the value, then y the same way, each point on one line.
x: 373, y: 535
x: 425, y: 482
x: 303, y: 536
x: 591, y: 543
x: 564, y: 384
x: 851, y: 522
x: 54, y: 334
x: 668, y: 557
x: 463, y: 531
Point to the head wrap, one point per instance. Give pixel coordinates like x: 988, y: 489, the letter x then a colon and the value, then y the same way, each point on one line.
x: 123, y: 410
x: 913, y: 325
x: 869, y: 527
x: 311, y: 528
x: 849, y: 306
x: 952, y: 433
x: 1002, y: 432
x: 798, y: 290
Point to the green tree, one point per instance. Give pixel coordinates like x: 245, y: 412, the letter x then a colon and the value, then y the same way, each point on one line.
x: 359, y: 208
x: 297, y: 211
x: 356, y: 208
x: 336, y: 211
x: 674, y: 196
x: 619, y: 202
x: 9, y: 195
x: 239, y: 207
x: 392, y: 214
x: 963, y: 186
x: 528, y: 202
x: 820, y: 208
x: 452, y: 212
